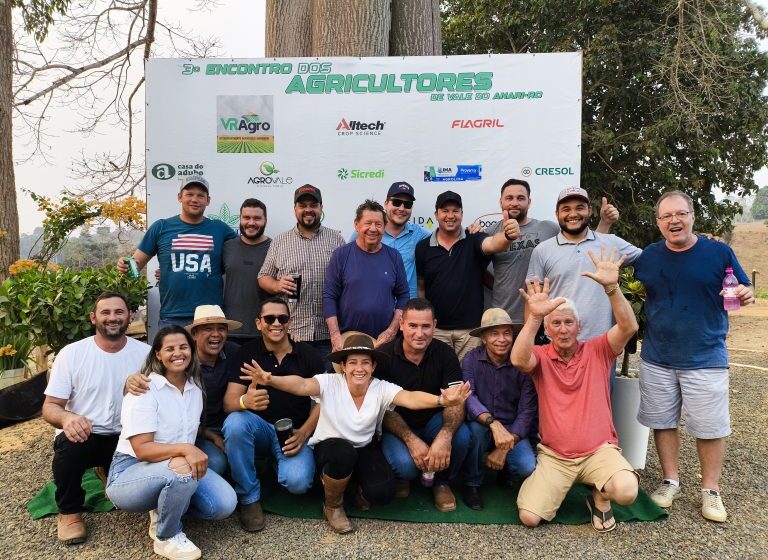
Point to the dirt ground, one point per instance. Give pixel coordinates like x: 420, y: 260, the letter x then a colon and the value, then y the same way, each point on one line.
x: 750, y: 243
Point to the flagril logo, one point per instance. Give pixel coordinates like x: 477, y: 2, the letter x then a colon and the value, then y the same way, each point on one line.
x: 477, y: 123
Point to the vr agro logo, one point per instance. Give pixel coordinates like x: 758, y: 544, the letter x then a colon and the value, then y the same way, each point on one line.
x: 245, y: 124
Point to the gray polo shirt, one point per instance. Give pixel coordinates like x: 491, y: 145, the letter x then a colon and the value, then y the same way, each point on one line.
x: 563, y: 261
x: 510, y: 267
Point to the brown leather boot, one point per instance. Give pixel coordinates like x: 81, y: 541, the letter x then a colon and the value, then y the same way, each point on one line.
x: 71, y: 528
x: 333, y: 506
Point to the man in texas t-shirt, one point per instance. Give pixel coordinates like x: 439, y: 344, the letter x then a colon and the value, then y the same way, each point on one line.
x: 189, y: 249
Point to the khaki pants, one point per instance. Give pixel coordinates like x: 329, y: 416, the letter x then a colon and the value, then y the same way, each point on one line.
x: 459, y: 340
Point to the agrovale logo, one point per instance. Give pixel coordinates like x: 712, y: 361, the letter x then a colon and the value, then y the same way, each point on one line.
x: 268, y: 176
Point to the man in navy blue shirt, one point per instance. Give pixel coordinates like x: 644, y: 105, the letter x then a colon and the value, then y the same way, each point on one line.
x: 684, y: 358
x: 366, y: 287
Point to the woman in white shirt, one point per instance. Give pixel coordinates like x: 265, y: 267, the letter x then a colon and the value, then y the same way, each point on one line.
x: 352, y: 406
x: 156, y: 466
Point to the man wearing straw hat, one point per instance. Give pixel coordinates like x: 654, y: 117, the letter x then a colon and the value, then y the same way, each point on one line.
x: 502, y: 410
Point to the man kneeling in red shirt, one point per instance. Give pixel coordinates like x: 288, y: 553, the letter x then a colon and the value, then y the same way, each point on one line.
x: 572, y: 379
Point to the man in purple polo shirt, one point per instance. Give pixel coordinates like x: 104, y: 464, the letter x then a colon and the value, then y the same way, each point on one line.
x: 502, y: 410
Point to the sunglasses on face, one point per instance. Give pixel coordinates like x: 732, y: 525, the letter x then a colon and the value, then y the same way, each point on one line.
x: 282, y: 319
x: 398, y: 202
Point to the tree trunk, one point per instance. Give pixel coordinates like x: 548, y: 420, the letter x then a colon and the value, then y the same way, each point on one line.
x: 415, y: 28
x: 350, y: 28
x: 288, y: 31
x: 9, y: 214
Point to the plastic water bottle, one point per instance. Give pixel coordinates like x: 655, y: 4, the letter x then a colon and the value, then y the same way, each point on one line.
x: 731, y: 302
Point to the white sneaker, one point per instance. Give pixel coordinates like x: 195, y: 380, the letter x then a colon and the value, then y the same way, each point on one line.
x: 712, y: 507
x: 665, y: 494
x: 153, y: 524
x: 178, y: 547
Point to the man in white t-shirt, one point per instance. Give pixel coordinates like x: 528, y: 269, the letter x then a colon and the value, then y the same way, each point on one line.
x: 83, y: 401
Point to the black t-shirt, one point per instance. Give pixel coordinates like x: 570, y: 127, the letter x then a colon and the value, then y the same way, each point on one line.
x: 303, y: 360
x: 215, y: 380
x: 453, y: 279
x: 439, y: 367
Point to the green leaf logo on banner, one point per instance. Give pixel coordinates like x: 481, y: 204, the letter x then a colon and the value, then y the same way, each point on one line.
x: 342, y: 173
x: 226, y: 216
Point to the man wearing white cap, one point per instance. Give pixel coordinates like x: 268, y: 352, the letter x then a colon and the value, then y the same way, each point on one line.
x: 210, y: 329
x: 564, y: 257
x: 189, y: 249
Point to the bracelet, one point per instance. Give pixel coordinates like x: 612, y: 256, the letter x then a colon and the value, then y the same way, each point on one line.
x: 242, y: 402
x: 610, y: 292
x: 440, y: 401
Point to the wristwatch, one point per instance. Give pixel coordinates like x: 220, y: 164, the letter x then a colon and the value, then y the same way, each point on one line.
x: 488, y: 421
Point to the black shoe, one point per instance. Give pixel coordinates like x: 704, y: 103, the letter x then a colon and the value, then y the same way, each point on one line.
x: 470, y: 495
x: 505, y: 479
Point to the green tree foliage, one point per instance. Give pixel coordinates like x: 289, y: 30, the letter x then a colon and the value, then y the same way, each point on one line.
x: 673, y: 94
x: 38, y: 14
x: 760, y: 205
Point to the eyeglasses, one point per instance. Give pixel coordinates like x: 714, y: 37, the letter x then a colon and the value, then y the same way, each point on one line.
x: 679, y: 215
x: 398, y: 202
x: 282, y: 319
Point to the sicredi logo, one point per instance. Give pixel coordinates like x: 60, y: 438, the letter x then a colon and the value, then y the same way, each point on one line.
x: 547, y: 171
x: 477, y: 123
x: 245, y: 124
x: 344, y: 174
x: 359, y: 128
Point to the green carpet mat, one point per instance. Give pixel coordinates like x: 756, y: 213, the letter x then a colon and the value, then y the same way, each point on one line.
x: 44, y: 503
x: 499, y: 507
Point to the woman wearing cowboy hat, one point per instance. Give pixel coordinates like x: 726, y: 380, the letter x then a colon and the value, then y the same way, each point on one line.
x: 351, y: 409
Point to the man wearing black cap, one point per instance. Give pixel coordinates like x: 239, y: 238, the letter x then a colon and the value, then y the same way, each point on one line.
x: 450, y: 265
x: 303, y: 251
x: 189, y: 249
x: 400, y: 233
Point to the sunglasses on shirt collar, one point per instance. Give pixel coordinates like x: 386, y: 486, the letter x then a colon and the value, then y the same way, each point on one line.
x: 269, y: 319
x: 398, y: 202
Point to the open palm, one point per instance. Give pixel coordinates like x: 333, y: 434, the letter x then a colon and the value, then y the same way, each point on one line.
x: 606, y: 270
x: 536, y: 296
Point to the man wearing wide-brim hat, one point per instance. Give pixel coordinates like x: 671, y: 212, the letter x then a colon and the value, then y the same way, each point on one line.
x: 502, y: 410
x: 210, y: 329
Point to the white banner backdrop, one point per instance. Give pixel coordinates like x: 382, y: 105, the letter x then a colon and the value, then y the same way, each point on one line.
x: 352, y: 126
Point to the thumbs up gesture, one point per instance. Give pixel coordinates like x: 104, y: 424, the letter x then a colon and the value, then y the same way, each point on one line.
x: 608, y: 212
x: 511, y: 227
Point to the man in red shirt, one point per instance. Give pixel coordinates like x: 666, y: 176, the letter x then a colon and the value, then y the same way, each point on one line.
x: 572, y: 379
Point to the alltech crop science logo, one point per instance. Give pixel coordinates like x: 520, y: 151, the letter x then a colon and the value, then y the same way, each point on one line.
x: 353, y: 127
x: 269, y: 176
x: 344, y: 173
x: 477, y: 123
x: 245, y: 124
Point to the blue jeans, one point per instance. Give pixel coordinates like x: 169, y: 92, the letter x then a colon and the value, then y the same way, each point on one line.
x: 247, y: 436
x: 402, y: 463
x: 171, y: 321
x: 137, y: 486
x: 217, y: 460
x: 520, y: 460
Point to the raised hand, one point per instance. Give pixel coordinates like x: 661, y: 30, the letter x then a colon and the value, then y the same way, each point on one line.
x: 254, y: 372
x: 536, y: 295
x: 606, y: 270
x: 608, y: 212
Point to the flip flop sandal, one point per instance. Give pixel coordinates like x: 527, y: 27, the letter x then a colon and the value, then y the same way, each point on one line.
x: 604, y: 516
